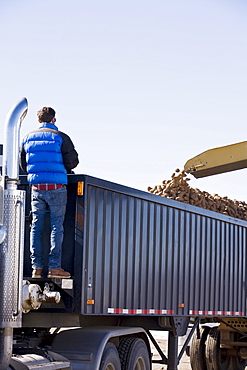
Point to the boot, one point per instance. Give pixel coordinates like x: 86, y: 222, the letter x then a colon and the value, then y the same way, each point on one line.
x: 58, y: 273
x: 37, y: 273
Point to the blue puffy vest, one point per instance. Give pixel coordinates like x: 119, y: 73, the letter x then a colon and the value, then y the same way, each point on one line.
x: 44, y: 157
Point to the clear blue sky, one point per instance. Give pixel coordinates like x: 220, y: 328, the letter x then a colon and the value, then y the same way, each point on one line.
x: 140, y: 86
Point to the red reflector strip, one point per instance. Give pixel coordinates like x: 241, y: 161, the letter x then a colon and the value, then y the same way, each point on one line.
x: 217, y: 313
x: 129, y: 311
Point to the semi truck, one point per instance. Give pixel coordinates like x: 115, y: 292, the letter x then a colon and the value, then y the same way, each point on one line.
x: 138, y: 263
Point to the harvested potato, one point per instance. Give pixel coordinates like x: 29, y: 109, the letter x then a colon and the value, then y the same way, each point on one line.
x: 178, y: 189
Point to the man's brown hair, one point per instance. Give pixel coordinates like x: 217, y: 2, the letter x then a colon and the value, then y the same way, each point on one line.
x: 46, y: 114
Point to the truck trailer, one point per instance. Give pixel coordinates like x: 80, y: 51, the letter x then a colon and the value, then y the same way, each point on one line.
x: 138, y: 263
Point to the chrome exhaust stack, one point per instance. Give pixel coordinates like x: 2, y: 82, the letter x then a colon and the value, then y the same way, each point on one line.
x: 11, y: 145
x: 12, y: 212
x: 10, y: 165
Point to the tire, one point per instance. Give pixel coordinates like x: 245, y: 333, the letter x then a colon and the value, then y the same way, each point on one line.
x: 110, y: 359
x: 133, y: 354
x: 197, y: 349
x: 217, y: 358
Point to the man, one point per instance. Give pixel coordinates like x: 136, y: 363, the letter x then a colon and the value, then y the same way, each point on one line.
x: 47, y: 155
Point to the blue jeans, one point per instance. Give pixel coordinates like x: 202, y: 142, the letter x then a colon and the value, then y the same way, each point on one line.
x: 56, y: 201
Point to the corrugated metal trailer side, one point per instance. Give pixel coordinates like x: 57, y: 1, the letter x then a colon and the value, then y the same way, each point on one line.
x: 135, y: 253
x: 143, y: 254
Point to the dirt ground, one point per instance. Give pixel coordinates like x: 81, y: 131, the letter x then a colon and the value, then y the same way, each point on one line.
x: 162, y: 339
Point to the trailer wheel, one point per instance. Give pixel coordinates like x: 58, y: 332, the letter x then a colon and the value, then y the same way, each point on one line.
x: 197, y: 349
x: 133, y: 354
x: 217, y: 358
x: 110, y: 359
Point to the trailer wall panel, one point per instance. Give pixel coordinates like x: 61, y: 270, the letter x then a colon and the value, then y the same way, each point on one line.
x: 131, y: 252
x: 157, y: 254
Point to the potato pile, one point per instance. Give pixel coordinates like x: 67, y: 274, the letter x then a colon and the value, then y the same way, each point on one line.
x: 178, y: 189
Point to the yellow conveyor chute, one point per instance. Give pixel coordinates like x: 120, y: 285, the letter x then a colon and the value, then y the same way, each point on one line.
x: 218, y: 160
